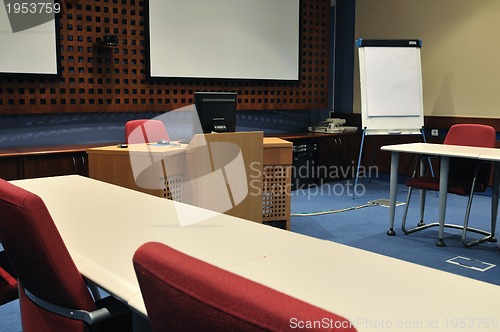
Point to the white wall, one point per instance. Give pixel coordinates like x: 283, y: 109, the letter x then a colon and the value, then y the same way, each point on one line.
x: 460, y: 53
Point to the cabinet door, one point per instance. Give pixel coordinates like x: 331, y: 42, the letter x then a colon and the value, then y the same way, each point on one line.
x: 348, y: 154
x: 337, y: 158
x: 82, y: 163
x: 55, y: 164
x: 11, y: 168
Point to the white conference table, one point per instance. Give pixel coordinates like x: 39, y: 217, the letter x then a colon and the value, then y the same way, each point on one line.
x: 444, y: 152
x: 376, y: 292
x: 103, y: 224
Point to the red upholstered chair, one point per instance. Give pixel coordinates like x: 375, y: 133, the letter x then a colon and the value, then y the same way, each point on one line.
x: 145, y: 131
x: 466, y: 177
x: 53, y: 295
x: 183, y: 293
x: 8, y: 281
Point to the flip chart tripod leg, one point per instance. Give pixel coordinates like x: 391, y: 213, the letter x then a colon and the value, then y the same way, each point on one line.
x: 359, y: 163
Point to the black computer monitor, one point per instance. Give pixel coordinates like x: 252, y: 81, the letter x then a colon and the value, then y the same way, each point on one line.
x: 216, y: 111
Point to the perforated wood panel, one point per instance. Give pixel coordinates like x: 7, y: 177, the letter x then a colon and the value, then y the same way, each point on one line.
x: 276, y: 193
x: 173, y: 187
x: 101, y: 79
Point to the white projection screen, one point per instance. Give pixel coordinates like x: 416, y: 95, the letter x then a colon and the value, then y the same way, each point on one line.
x: 28, y: 39
x: 235, y: 39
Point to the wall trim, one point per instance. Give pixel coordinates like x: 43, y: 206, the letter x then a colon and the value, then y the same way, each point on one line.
x: 445, y: 122
x: 430, y: 122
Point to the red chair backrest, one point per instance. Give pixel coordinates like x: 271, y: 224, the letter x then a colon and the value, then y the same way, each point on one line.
x: 183, y: 293
x: 471, y: 135
x: 40, y: 259
x: 478, y: 135
x: 145, y: 131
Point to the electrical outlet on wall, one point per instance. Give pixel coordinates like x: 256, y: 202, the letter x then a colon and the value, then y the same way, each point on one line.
x: 434, y: 132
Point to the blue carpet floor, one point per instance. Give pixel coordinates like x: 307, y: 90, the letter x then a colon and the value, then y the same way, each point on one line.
x: 10, y: 319
x: 366, y: 228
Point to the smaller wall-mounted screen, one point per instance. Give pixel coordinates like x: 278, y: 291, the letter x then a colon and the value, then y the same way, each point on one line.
x: 28, y: 37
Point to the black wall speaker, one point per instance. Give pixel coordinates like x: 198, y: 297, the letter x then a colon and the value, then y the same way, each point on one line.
x: 110, y: 40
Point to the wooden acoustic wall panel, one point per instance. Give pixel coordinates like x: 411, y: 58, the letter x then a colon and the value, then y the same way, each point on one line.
x: 101, y: 79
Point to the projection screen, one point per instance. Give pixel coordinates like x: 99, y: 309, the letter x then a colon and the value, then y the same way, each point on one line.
x: 236, y: 39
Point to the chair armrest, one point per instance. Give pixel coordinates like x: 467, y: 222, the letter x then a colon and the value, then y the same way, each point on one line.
x: 109, y: 310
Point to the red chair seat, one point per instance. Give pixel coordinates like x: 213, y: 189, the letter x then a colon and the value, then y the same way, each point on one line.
x: 455, y: 186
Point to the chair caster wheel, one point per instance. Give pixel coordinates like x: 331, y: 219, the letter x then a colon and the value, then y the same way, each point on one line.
x: 492, y: 239
x: 391, y: 232
x: 421, y: 223
x: 440, y: 243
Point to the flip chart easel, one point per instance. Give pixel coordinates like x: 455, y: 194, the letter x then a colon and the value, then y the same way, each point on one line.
x: 391, y: 89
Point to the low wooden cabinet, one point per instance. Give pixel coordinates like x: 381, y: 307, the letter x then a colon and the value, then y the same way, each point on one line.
x: 338, y: 157
x: 10, y: 168
x: 332, y: 157
x: 34, y: 162
x: 35, y: 166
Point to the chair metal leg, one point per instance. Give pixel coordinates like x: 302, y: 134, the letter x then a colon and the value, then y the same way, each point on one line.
x: 421, y: 225
x: 405, y: 212
x: 467, y: 214
x: 465, y: 228
x: 488, y: 236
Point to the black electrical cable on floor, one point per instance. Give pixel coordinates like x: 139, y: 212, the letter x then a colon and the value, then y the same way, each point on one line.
x: 307, y: 214
x: 376, y: 202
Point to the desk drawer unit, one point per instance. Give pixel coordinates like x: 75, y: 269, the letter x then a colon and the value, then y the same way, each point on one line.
x: 276, y: 182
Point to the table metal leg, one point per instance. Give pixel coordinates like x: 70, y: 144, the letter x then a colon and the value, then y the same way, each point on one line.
x: 494, y: 199
x: 393, y: 189
x: 443, y: 190
x: 422, y: 193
